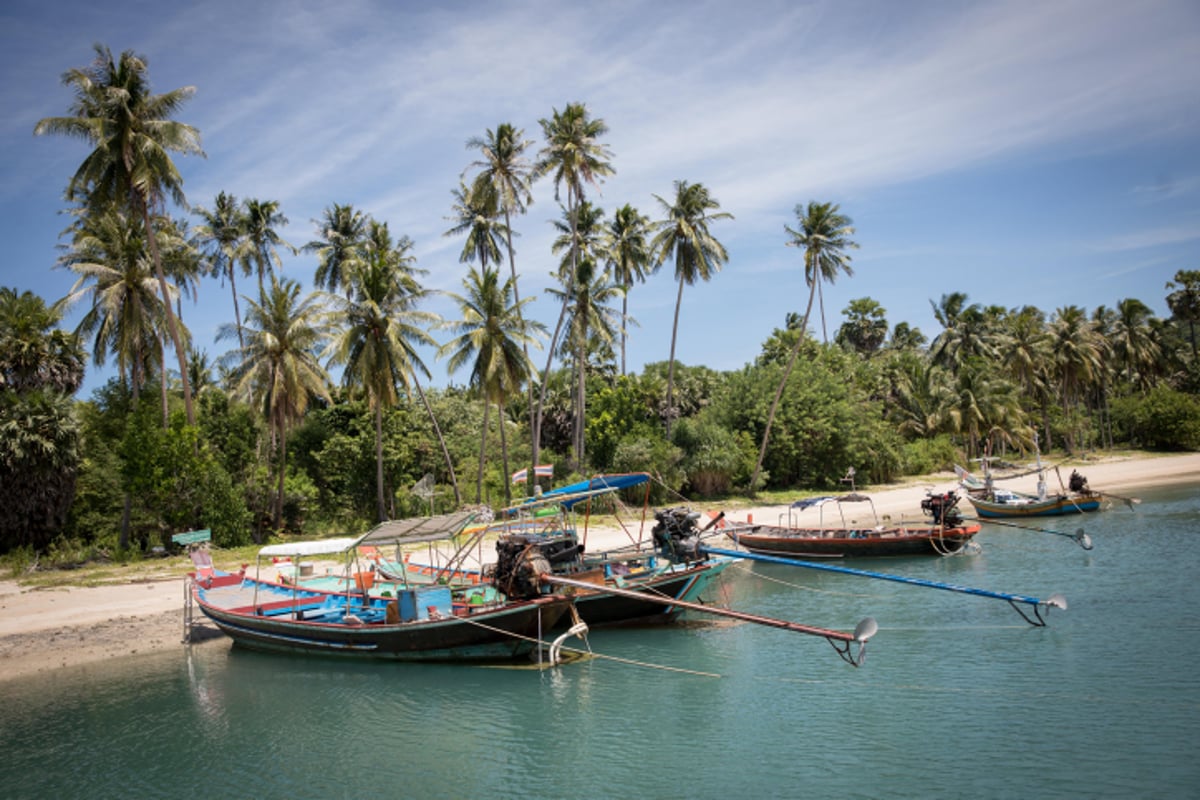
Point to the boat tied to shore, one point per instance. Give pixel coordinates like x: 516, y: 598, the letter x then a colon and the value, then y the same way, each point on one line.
x: 945, y: 533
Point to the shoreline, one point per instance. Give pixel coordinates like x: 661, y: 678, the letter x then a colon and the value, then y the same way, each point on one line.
x: 47, y: 629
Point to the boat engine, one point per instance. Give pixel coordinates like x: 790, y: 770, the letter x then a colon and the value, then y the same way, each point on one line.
x: 522, y: 558
x: 942, y: 508
x: 676, y: 534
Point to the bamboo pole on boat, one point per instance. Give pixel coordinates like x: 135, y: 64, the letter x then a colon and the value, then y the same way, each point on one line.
x: 1015, y: 600
x: 862, y: 632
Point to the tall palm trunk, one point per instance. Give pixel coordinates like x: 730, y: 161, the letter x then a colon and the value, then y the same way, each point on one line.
x: 237, y: 314
x: 562, y: 314
x: 482, y: 452
x: 172, y: 324
x: 504, y: 453
x: 671, y: 362
x: 379, y: 460
x: 512, y: 266
x: 282, y: 444
x: 127, y: 511
x: 787, y: 372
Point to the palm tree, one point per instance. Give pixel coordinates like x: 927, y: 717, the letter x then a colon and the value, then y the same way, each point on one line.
x: 262, y: 217
x: 1076, y: 357
x: 342, y: 234
x: 278, y: 369
x: 824, y: 233
x: 504, y: 167
x: 628, y: 257
x: 222, y: 238
x: 40, y: 368
x: 477, y: 215
x: 379, y: 331
x: 1134, y: 345
x: 574, y: 157
x: 126, y: 313
x: 591, y: 324
x: 130, y: 166
x: 684, y: 235
x: 1184, y: 302
x: 492, y: 337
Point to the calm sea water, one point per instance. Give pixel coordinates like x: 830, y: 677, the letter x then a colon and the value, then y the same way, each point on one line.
x: 958, y: 697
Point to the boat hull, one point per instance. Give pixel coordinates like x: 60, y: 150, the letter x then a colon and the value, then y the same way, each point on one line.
x: 839, y: 543
x: 1050, y: 507
x: 680, y: 583
x: 504, y: 633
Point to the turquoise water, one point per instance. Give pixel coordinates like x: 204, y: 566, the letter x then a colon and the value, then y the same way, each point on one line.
x: 958, y: 697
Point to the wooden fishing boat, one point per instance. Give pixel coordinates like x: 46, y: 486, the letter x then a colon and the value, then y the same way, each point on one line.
x: 1003, y: 503
x: 991, y: 502
x: 419, y: 623
x: 660, y: 568
x: 946, y: 534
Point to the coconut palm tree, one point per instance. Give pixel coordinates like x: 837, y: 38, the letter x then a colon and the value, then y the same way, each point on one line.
x: 342, y: 233
x: 126, y: 313
x: 222, y: 238
x: 824, y: 234
x: 278, y: 369
x: 1184, y: 302
x: 1133, y: 343
x: 379, y: 331
x: 1076, y: 357
x: 477, y: 215
x: 683, y: 234
x: 504, y: 167
x: 263, y: 241
x: 591, y: 325
x: 492, y: 337
x: 574, y: 157
x: 627, y: 252
x: 130, y: 167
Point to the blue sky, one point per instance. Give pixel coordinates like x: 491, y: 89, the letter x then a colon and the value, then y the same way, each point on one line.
x: 1024, y: 153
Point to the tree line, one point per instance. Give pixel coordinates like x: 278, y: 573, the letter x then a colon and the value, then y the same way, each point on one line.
x: 262, y: 439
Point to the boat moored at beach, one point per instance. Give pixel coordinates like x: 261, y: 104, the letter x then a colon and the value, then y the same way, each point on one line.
x: 946, y: 533
x: 417, y: 623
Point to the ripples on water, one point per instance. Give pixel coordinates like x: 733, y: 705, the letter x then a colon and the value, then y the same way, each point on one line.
x: 958, y: 697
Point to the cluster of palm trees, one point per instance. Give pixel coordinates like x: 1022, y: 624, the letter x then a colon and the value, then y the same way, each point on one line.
x: 124, y: 246
x: 996, y: 376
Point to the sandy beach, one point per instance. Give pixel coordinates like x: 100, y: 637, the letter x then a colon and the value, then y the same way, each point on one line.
x: 46, y: 629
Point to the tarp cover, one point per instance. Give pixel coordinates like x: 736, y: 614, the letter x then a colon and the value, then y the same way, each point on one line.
x: 398, y: 531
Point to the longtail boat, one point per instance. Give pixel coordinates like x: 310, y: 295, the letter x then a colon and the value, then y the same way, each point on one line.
x: 659, y: 567
x: 419, y: 623
x: 991, y: 502
x: 946, y: 532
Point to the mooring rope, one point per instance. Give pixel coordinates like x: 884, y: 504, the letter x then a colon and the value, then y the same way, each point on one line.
x: 592, y: 654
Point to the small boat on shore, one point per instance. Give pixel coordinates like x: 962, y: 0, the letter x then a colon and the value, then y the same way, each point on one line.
x: 991, y: 502
x: 417, y: 623
x: 945, y: 534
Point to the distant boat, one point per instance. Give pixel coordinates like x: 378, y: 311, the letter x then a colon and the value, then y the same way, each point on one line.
x: 946, y: 533
x: 993, y: 503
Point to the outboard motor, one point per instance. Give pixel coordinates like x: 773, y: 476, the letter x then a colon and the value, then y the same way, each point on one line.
x: 521, y: 559
x: 942, y: 508
x: 676, y: 534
